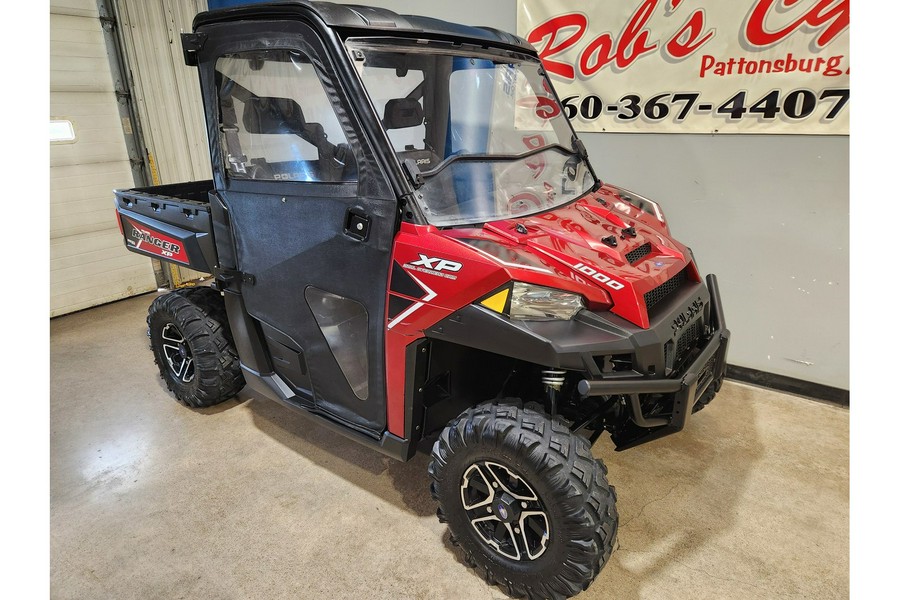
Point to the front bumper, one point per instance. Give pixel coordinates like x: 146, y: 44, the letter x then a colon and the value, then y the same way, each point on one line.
x: 697, y: 383
x: 656, y: 377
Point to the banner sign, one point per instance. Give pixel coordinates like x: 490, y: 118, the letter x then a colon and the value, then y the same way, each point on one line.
x: 696, y: 66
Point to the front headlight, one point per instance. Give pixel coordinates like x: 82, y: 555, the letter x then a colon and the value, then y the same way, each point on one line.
x: 537, y: 303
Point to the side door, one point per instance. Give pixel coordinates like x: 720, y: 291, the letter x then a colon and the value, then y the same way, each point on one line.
x: 312, y: 214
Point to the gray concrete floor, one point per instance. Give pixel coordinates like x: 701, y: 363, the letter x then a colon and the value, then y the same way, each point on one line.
x: 249, y: 500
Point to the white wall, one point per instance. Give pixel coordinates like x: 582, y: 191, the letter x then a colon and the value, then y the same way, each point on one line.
x: 768, y: 214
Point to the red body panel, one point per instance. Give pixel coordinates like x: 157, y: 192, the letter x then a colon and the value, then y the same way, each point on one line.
x: 560, y: 249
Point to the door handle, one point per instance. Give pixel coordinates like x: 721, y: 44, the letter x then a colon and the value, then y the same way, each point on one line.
x: 356, y: 224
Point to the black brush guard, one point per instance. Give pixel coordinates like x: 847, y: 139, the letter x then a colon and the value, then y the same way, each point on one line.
x: 703, y: 375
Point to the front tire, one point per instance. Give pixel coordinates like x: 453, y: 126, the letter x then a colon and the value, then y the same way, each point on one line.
x: 525, y: 500
x: 193, y: 347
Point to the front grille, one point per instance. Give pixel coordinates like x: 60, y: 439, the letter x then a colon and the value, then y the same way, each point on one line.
x: 706, y: 373
x: 638, y: 253
x: 676, y: 352
x: 659, y: 293
x: 687, y: 340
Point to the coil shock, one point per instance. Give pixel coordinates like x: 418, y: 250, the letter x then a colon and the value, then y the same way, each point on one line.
x: 553, y: 380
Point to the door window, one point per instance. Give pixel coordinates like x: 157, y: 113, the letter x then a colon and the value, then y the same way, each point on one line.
x: 345, y: 324
x: 276, y: 120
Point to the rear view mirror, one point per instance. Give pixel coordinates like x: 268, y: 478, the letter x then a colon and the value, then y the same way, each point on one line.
x: 401, y: 113
x: 273, y: 116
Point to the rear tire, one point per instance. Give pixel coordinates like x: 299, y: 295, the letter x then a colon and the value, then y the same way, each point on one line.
x: 549, y: 525
x: 193, y: 347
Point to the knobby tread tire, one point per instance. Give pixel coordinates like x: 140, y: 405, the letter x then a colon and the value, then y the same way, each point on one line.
x: 199, y: 314
x: 576, y: 494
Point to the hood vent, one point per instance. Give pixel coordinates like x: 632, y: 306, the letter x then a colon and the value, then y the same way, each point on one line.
x: 638, y: 253
x: 659, y: 293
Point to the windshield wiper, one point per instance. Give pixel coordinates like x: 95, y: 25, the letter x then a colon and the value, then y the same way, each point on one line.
x: 496, y: 157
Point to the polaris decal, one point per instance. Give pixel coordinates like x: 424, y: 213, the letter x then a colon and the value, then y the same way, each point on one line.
x: 687, y: 315
x: 435, y: 266
x: 153, y: 242
x: 600, y: 277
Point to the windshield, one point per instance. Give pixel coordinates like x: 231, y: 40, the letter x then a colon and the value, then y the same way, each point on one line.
x: 484, y: 130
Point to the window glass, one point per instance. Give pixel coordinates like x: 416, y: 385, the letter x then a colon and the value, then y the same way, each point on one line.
x: 276, y: 121
x: 61, y: 130
x: 508, y: 117
x: 394, y: 93
x: 497, y: 143
x: 345, y: 325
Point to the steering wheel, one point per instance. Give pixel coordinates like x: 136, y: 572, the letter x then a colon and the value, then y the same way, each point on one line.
x: 523, y: 203
x: 260, y: 171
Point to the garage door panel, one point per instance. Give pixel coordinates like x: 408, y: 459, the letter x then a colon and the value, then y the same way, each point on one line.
x: 95, y: 264
x: 87, y: 103
x: 125, y: 286
x: 65, y: 28
x: 74, y: 73
x: 68, y: 284
x: 72, y: 209
x: 93, y: 257
x: 108, y: 176
x: 76, y: 49
x: 79, y: 222
x: 83, y: 8
x: 77, y: 244
x: 91, y: 148
x: 69, y: 154
x: 87, y: 42
x: 82, y: 199
x: 98, y: 124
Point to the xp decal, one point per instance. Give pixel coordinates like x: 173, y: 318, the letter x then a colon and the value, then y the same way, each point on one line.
x: 435, y: 266
x: 438, y: 264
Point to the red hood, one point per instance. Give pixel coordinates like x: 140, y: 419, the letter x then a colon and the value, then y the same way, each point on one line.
x: 566, y: 249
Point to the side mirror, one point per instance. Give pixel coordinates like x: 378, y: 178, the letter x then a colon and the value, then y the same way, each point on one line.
x: 401, y: 113
x: 273, y: 116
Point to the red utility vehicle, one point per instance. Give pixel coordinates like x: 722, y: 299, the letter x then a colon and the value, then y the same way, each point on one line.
x: 409, y: 243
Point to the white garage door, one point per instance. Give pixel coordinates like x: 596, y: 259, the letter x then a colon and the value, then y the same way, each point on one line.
x: 88, y: 261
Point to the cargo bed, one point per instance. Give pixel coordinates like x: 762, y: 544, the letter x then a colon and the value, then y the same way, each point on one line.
x: 169, y: 222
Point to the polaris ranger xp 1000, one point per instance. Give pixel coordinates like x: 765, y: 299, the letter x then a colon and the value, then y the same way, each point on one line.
x: 409, y: 243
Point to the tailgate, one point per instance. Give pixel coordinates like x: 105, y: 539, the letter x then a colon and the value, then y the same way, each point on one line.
x: 170, y: 223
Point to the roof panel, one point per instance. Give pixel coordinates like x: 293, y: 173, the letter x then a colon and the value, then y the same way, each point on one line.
x: 358, y: 17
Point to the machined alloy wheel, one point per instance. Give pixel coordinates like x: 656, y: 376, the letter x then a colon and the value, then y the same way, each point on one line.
x: 505, y: 511
x: 178, y: 354
x: 524, y: 499
x: 193, y: 347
